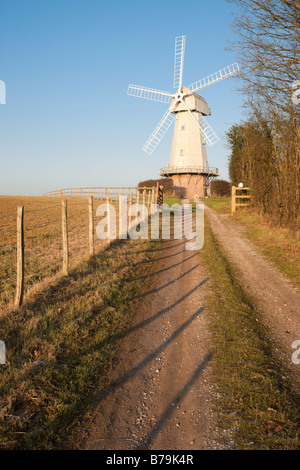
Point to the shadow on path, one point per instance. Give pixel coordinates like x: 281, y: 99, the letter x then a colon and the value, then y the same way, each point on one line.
x: 172, y: 406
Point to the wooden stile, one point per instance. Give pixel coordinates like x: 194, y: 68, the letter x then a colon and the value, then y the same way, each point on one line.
x: 235, y: 194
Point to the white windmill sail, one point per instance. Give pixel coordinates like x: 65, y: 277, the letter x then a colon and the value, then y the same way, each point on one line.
x: 179, y: 59
x: 210, y: 135
x: 159, y: 132
x: 207, y: 132
x: 149, y: 94
x: 215, y: 77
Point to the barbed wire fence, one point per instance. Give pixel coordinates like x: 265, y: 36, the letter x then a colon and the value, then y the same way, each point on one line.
x: 39, y: 243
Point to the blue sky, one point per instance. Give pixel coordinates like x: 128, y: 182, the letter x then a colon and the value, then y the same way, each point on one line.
x: 67, y: 64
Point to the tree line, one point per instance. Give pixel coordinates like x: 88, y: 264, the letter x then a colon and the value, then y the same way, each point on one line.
x: 265, y: 147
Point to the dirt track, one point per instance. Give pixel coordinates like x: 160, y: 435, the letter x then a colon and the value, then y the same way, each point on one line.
x: 160, y: 397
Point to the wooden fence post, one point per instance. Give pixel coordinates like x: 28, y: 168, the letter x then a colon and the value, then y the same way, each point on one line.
x: 233, y: 200
x: 65, y: 243
x: 149, y: 199
x: 108, y: 219
x: 130, y: 204
x: 144, y: 203
x: 20, y: 257
x: 91, y: 226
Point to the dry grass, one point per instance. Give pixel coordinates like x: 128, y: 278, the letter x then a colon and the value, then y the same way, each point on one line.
x: 43, y: 248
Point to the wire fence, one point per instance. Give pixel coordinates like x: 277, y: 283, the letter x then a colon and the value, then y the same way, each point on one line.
x: 40, y: 242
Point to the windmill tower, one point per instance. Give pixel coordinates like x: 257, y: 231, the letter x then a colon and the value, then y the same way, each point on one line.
x: 188, y: 165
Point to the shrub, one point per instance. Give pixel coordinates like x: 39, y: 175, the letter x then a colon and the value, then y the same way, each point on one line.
x: 167, y: 183
x: 220, y: 188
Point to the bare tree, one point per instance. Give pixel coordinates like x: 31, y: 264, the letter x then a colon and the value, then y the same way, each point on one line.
x: 267, y: 41
x: 267, y: 44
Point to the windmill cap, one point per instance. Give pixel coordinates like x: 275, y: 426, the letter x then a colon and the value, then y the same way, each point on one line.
x: 194, y: 102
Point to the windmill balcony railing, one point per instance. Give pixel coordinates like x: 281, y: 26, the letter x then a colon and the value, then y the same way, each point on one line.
x: 198, y: 170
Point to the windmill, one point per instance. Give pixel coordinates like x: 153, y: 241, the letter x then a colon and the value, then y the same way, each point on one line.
x: 188, y: 165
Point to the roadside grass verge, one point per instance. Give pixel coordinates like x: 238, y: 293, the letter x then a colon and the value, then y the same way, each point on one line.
x: 254, y: 403
x: 220, y: 204
x: 172, y: 200
x: 279, y: 245
x: 61, y: 343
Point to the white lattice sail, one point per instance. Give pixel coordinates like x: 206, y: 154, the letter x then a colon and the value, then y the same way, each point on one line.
x: 215, y: 77
x: 159, y: 132
x: 179, y: 60
x: 149, y: 94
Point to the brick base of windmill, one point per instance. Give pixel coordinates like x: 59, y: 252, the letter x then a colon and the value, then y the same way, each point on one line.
x: 190, y: 183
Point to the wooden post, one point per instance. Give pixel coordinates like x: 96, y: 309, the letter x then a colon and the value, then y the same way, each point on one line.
x: 144, y: 202
x: 130, y: 204
x: 20, y: 257
x: 91, y: 226
x: 108, y: 219
x: 149, y: 198
x: 160, y: 197
x: 65, y: 243
x: 153, y: 195
x: 233, y: 200
x: 157, y: 187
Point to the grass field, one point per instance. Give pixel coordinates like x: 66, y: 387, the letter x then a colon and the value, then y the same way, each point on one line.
x: 42, y: 237
x: 279, y: 245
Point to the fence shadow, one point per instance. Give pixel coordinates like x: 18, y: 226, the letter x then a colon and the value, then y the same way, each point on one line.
x: 175, y: 401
